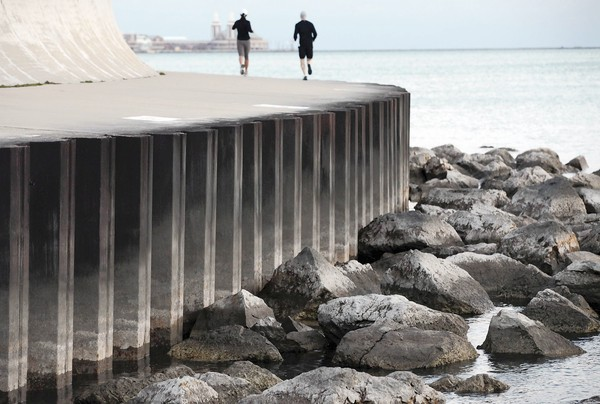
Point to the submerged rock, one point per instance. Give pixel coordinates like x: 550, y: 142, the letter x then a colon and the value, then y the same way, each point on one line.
x: 392, y: 346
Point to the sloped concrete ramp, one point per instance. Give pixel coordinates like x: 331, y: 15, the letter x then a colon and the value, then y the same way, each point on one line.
x: 63, y: 41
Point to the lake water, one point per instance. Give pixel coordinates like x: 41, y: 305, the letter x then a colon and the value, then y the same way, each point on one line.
x: 523, y: 99
x: 515, y: 98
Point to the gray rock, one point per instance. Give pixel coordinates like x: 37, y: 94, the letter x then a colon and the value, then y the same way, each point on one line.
x: 477, y: 384
x: 229, y: 343
x: 483, y: 224
x: 576, y: 256
x: 449, y: 152
x: 364, y: 277
x: 397, y: 232
x: 299, y: 285
x: 260, y: 378
x: 243, y: 308
x: 392, y: 346
x: 584, y: 180
x: 524, y: 178
x: 308, y: 341
x: 543, y: 244
x: 272, y: 330
x: 515, y: 334
x: 582, y: 277
x: 230, y: 389
x: 560, y: 315
x: 291, y: 325
x: 425, y: 394
x: 591, y: 199
x: 435, y: 211
x: 453, y: 180
x: 577, y: 300
x: 342, y: 385
x: 555, y: 198
x: 579, y: 163
x: 340, y: 316
x: 445, y: 252
x: 591, y: 400
x: 590, y: 241
x: 437, y: 168
x: 185, y: 389
x: 418, y: 157
x: 484, y: 166
x: 504, y: 154
x: 435, y: 283
x: 463, y: 199
x: 124, y: 389
x: 542, y: 157
x: 504, y: 279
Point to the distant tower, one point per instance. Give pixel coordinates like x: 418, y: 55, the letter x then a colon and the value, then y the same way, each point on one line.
x: 216, y: 26
x: 230, y: 23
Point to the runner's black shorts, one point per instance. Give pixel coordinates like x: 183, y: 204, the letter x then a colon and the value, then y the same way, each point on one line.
x: 305, y: 51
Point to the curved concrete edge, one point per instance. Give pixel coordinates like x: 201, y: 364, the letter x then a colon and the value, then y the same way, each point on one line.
x: 63, y: 41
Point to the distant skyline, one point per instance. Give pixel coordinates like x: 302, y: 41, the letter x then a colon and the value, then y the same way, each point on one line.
x: 380, y: 24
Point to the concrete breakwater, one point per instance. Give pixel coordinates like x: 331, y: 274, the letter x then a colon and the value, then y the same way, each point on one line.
x: 113, y: 243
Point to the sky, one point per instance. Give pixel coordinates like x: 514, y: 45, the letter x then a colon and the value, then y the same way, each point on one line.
x: 380, y: 24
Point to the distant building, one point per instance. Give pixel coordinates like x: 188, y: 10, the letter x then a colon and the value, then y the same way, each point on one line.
x: 221, y: 41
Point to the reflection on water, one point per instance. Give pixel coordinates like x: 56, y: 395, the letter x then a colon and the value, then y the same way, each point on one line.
x: 532, y: 380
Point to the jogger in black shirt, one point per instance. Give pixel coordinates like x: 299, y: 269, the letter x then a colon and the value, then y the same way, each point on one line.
x: 307, y: 32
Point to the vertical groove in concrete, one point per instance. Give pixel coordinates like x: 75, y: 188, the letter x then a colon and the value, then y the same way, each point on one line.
x: 327, y: 190
x: 369, y: 164
x: 168, y: 238
x: 252, y: 207
x: 228, y: 242
x: 311, y: 181
x: 133, y: 238
x: 51, y: 265
x: 14, y: 272
x: 94, y: 255
x: 199, y: 225
x: 291, y: 173
x: 342, y: 193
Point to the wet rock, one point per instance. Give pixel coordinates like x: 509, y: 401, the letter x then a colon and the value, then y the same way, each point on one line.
x: 392, y: 346
x: 124, y: 389
x: 541, y: 157
x: 524, y: 178
x: 260, y: 378
x: 560, y: 315
x: 582, y: 277
x: 504, y: 279
x: 579, y: 163
x: 397, y: 232
x: 590, y: 241
x: 448, y: 152
x: 555, y: 198
x: 463, y: 199
x: 299, y: 285
x: 229, y: 343
x: 243, y: 308
x: 516, y: 334
x: 584, y: 180
x: 435, y: 283
x: 343, y: 315
x: 543, y: 244
x: 343, y: 385
x: 185, y: 389
x: 483, y: 224
x: 591, y: 199
x: 229, y: 389
x: 477, y: 384
x: 364, y: 277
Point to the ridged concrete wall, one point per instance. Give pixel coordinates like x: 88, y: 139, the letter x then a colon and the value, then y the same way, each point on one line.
x: 63, y: 41
x: 110, y: 245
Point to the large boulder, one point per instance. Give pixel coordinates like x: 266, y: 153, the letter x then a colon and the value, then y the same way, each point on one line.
x: 463, y: 199
x: 448, y: 152
x: 229, y: 343
x: 343, y: 385
x: 483, y: 224
x: 260, y: 378
x: 504, y: 279
x: 397, y: 232
x: 363, y: 276
x: 230, y: 389
x: 584, y: 180
x: 541, y: 157
x: 526, y: 177
x: 560, y: 315
x: 417, y: 158
x: 577, y: 300
x: 579, y: 163
x: 505, y: 154
x: 299, y: 285
x: 437, y: 168
x: 543, y: 244
x: 392, y: 346
x: 555, y: 198
x: 243, y: 309
x: 433, y: 282
x: 590, y: 198
x: 185, y: 389
x: 478, y: 384
x: 123, y: 389
x: 590, y: 241
x: 452, y: 180
x: 582, y: 277
x: 515, y: 334
x: 340, y: 316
